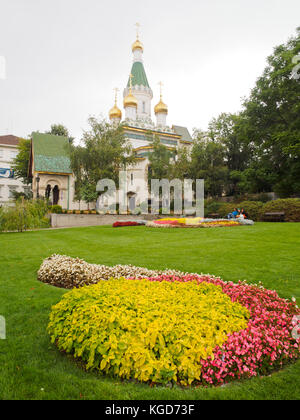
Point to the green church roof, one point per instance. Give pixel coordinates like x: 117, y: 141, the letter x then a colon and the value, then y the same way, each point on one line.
x: 183, y: 132
x: 51, y: 153
x: 139, y: 75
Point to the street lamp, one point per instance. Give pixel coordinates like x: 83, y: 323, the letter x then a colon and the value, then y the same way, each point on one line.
x: 38, y: 186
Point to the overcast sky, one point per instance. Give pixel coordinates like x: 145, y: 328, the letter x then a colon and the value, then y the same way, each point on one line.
x: 64, y: 57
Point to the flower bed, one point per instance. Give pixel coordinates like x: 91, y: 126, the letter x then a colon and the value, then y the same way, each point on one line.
x: 197, y: 223
x: 69, y: 273
x: 155, y: 330
x: 266, y: 345
x: 125, y: 224
x: 149, y: 331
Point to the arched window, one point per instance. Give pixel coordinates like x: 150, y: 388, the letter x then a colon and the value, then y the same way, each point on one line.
x: 48, y: 192
x: 55, y: 195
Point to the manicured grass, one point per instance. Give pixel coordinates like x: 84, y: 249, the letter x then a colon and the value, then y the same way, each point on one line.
x: 32, y: 368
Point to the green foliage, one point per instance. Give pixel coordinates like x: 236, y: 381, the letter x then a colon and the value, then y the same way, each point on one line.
x: 60, y: 130
x: 208, y: 163
x: 211, y: 207
x: 160, y: 166
x: 21, y: 162
x: 291, y: 208
x: 19, y: 195
x: 261, y: 146
x: 56, y: 209
x: 271, y: 121
x: 256, y: 209
x: 149, y: 331
x: 24, y: 215
x: 103, y: 153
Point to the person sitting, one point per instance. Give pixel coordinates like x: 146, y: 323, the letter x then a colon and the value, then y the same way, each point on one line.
x: 245, y: 214
x: 233, y: 215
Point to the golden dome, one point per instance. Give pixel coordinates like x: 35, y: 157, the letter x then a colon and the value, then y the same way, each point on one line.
x: 137, y: 45
x: 115, y: 112
x: 161, y: 108
x: 130, y: 100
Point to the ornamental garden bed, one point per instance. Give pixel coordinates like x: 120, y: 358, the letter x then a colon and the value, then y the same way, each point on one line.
x: 198, y: 222
x: 189, y: 329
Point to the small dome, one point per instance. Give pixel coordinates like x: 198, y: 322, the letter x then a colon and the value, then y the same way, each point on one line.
x: 161, y: 108
x: 130, y: 100
x: 115, y: 112
x: 137, y: 45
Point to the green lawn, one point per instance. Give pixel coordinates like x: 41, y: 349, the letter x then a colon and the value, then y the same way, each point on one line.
x: 32, y: 368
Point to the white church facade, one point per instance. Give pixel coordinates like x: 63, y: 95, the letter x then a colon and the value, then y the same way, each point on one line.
x: 138, y: 123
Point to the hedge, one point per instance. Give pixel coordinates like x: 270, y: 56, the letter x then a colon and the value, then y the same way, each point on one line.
x: 290, y: 206
x: 256, y: 209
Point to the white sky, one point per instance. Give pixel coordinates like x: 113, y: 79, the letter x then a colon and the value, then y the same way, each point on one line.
x: 64, y: 57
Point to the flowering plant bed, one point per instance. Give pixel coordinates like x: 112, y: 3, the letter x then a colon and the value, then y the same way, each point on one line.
x: 94, y: 321
x: 124, y: 224
x: 198, y: 223
x: 69, y: 273
x: 266, y: 345
x: 149, y: 331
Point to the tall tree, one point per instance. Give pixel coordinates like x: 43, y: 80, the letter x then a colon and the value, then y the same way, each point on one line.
x: 160, y: 160
x: 208, y: 163
x: 103, y: 152
x: 228, y: 130
x: 182, y: 166
x: 60, y: 130
x: 21, y: 162
x: 271, y: 119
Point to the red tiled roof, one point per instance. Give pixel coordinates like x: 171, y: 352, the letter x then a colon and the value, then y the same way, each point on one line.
x: 10, y: 140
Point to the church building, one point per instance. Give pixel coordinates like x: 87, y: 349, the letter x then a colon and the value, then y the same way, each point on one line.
x: 138, y: 123
x: 50, y: 164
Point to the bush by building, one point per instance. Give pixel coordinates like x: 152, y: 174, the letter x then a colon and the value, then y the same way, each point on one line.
x: 24, y: 215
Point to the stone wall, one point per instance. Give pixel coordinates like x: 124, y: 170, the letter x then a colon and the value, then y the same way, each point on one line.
x: 81, y: 220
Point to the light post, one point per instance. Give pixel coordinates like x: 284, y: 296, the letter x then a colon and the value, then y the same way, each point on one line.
x: 38, y: 186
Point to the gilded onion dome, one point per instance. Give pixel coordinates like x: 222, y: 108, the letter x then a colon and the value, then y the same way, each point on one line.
x: 115, y: 112
x: 130, y: 99
x: 137, y: 45
x: 161, y: 107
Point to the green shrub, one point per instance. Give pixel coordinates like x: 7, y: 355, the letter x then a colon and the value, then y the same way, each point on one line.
x: 143, y: 330
x: 254, y: 209
x: 211, y: 207
x: 226, y: 208
x: 24, y: 215
x: 290, y: 206
x: 263, y: 197
x: 56, y: 209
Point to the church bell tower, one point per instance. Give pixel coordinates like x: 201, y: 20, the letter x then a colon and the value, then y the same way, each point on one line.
x: 138, y: 85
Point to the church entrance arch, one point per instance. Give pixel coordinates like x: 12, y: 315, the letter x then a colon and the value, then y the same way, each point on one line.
x: 55, y: 195
x: 52, y: 191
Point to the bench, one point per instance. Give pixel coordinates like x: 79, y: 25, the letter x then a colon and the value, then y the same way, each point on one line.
x: 214, y: 216
x: 274, y: 217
